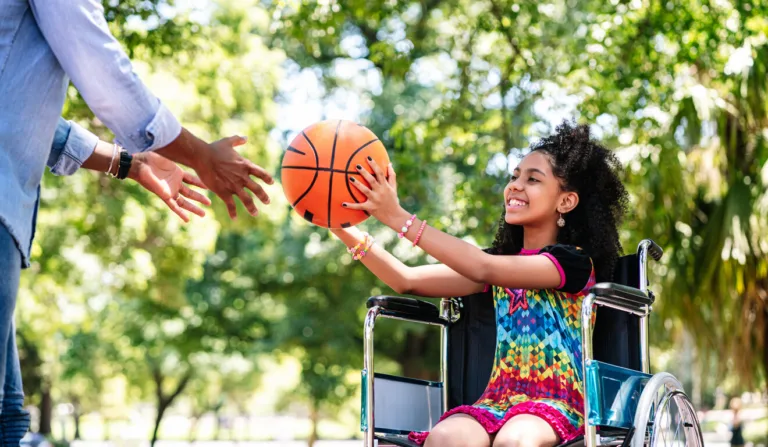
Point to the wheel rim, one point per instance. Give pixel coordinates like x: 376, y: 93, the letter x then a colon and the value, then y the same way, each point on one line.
x: 661, y: 390
x: 674, y: 424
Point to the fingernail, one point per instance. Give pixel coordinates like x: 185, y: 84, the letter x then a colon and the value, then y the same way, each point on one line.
x: 370, y: 158
x: 359, y: 167
x: 352, y: 179
x: 344, y: 205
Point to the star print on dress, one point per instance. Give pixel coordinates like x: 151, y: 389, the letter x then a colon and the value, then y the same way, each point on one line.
x: 518, y: 300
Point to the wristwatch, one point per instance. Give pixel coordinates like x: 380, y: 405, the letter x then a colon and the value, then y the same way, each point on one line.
x: 125, y: 165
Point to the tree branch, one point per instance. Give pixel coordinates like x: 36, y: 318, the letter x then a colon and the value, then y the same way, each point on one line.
x: 498, y: 13
x: 504, y: 85
x: 180, y: 386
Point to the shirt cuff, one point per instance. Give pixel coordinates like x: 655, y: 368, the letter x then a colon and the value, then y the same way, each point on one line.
x: 79, y: 147
x: 161, y: 130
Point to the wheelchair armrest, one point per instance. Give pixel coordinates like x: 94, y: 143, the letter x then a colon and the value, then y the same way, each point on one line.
x: 406, y: 308
x: 624, y: 296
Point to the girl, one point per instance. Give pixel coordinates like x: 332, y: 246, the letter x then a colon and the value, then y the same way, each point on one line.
x: 558, y: 235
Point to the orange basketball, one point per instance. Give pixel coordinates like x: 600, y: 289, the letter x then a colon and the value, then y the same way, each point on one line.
x: 317, y: 167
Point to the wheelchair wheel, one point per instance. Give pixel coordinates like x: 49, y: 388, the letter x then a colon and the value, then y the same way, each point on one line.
x: 665, y: 416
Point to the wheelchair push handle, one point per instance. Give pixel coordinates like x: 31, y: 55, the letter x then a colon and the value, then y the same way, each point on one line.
x: 650, y: 247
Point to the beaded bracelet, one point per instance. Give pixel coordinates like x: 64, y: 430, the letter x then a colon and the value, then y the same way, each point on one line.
x: 359, y: 255
x: 353, y: 250
x: 366, y: 248
x: 362, y: 247
x: 421, y: 230
x: 405, y: 227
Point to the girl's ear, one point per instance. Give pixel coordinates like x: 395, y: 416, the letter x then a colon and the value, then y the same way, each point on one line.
x: 568, y: 202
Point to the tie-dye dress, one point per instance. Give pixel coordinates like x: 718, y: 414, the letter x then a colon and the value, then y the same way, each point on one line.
x: 537, y: 366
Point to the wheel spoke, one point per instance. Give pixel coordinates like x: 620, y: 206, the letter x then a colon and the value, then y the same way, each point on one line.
x: 677, y: 425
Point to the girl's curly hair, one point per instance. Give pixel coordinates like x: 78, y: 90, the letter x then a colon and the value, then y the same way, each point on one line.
x: 591, y: 170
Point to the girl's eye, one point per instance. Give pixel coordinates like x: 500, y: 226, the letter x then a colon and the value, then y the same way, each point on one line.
x: 512, y: 179
x: 531, y: 179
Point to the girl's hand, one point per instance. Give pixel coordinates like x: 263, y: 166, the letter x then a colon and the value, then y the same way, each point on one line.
x: 382, y: 202
x: 165, y: 179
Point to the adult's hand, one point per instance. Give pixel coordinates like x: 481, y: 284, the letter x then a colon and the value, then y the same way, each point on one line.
x: 166, y: 180
x: 221, y: 168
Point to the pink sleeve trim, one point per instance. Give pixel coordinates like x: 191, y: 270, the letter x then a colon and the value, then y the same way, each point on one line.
x: 487, y: 286
x: 559, y: 269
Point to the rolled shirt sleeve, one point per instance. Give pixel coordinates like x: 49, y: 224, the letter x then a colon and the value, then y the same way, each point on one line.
x: 99, y: 68
x: 72, y: 145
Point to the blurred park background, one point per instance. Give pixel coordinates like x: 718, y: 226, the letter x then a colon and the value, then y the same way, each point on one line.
x: 133, y: 326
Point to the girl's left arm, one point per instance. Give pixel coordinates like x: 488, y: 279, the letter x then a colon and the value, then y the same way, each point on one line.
x: 519, y: 272
x: 525, y: 272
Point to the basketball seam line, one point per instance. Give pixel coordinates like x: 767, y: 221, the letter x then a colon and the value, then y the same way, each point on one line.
x: 330, y: 182
x: 317, y: 163
x: 346, y: 169
x: 309, y: 168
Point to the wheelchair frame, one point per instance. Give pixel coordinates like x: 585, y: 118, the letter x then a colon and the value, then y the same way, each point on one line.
x: 627, y: 299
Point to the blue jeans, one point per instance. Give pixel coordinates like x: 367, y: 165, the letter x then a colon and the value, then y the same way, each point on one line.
x: 14, y: 420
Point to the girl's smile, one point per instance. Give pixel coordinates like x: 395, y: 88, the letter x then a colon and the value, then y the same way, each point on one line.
x: 514, y: 204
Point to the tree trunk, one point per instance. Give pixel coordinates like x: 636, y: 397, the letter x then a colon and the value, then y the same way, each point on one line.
x: 46, y: 410
x: 164, y: 401
x: 107, y: 429
x: 217, y: 418
x: 76, y: 415
x: 193, y: 428
x: 765, y: 346
x: 162, y: 405
x: 314, y: 418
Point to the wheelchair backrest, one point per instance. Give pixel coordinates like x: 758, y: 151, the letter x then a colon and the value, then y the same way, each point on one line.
x: 472, y: 339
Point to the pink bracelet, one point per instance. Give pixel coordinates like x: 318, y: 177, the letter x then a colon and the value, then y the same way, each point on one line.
x: 421, y: 230
x: 407, y: 226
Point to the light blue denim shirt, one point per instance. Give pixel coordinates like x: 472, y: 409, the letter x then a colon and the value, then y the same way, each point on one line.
x: 44, y: 44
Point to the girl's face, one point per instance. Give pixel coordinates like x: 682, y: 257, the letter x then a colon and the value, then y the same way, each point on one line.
x: 533, y: 196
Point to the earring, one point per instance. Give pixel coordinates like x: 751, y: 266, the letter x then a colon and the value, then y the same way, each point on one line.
x: 561, y: 221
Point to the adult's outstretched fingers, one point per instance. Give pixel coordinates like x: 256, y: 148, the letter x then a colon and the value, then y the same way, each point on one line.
x: 261, y: 173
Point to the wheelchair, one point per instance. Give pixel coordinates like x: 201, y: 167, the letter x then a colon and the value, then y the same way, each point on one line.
x: 624, y: 404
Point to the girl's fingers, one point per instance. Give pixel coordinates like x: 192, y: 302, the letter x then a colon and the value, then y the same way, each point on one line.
x: 391, y: 177
x: 367, y: 175
x: 360, y: 187
x: 357, y: 206
x: 380, y: 177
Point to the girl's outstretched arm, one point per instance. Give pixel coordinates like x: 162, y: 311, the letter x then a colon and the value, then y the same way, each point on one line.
x: 479, y: 267
x: 434, y: 281
x: 519, y: 272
